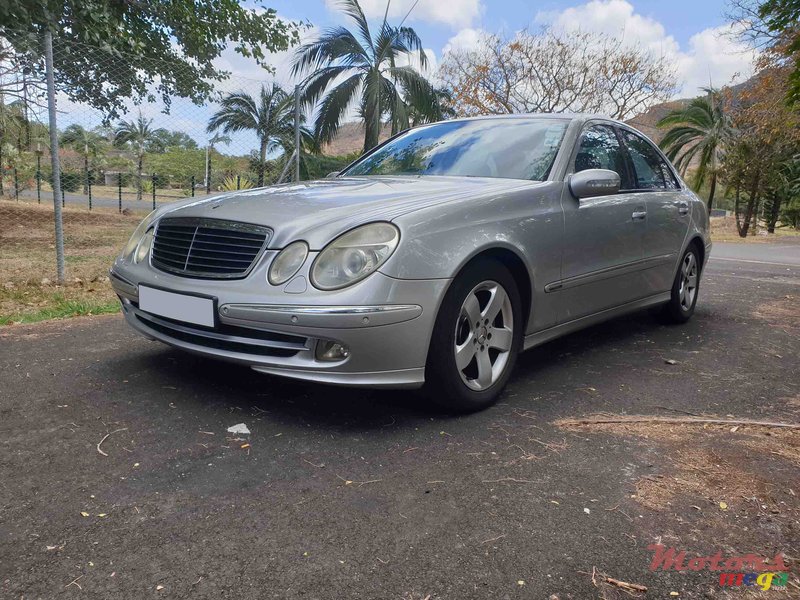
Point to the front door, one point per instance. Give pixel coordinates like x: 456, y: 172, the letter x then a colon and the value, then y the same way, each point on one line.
x: 602, y: 254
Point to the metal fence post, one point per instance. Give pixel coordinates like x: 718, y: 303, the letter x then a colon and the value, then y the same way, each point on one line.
x: 89, y: 187
x: 238, y: 182
x: 51, y: 110
x: 119, y: 190
x: 39, y: 176
x: 16, y: 185
x: 154, y: 191
x: 297, y: 132
x: 208, y: 177
x: 192, y: 186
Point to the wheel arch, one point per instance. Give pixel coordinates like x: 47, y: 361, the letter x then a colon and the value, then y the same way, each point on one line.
x: 511, y: 258
x: 697, y: 241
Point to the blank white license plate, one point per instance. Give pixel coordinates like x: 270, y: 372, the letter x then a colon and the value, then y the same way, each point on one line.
x: 181, y: 307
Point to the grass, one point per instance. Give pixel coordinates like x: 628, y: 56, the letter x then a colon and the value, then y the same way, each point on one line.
x: 58, y: 307
x: 28, y: 291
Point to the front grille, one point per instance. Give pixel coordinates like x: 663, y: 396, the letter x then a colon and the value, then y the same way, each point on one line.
x: 207, y: 248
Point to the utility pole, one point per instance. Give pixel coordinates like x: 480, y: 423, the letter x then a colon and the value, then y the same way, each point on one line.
x: 297, y: 133
x: 51, y: 110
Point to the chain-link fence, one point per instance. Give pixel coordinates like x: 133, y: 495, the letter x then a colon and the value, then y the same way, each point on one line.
x: 118, y: 161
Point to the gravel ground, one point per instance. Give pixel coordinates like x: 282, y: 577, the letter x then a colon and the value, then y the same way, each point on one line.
x: 339, y: 493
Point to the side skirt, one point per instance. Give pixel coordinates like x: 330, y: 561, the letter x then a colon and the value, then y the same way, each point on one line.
x: 540, y: 337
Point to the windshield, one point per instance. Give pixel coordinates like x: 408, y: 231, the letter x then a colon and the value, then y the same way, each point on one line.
x: 507, y: 148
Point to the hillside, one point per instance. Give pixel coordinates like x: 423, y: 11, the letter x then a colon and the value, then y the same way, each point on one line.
x: 351, y: 139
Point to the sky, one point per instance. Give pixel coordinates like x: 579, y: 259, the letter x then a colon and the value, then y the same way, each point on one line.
x: 691, y: 33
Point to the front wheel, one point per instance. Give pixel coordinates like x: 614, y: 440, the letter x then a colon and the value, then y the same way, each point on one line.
x: 476, y: 338
x: 685, y: 288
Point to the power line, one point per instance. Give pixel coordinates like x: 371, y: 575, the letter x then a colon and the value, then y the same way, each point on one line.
x: 413, y: 6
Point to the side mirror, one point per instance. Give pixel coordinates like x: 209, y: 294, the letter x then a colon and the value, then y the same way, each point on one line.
x: 332, y: 174
x: 594, y: 182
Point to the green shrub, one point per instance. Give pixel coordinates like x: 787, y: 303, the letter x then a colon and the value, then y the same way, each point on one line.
x: 71, y: 181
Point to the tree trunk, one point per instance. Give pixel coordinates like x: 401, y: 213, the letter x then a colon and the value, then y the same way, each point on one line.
x: 774, y: 213
x: 371, y: 132
x: 85, y: 174
x: 736, y: 212
x: 262, y: 159
x: 372, y: 123
x: 139, y: 178
x: 751, y: 205
x: 711, y: 192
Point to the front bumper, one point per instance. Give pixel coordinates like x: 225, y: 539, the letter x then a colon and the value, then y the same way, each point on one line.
x: 384, y: 322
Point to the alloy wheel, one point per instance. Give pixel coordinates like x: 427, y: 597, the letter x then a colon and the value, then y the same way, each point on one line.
x: 688, y: 287
x: 484, y: 335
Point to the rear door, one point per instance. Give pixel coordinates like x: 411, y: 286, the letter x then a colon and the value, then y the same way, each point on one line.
x: 602, y: 253
x: 667, y: 210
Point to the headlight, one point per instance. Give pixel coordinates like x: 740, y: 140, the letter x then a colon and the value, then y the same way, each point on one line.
x: 144, y: 247
x: 287, y: 263
x: 354, y: 255
x: 137, y: 236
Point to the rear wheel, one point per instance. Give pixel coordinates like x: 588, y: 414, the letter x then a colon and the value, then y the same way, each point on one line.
x: 476, y: 338
x: 685, y: 288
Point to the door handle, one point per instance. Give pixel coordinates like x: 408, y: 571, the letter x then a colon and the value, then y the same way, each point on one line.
x: 639, y: 215
x: 683, y: 208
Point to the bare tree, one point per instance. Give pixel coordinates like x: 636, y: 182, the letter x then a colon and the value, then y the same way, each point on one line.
x: 550, y: 71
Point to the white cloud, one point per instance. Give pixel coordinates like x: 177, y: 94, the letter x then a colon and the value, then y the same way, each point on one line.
x: 466, y: 39
x: 456, y: 13
x: 714, y: 57
x: 711, y: 53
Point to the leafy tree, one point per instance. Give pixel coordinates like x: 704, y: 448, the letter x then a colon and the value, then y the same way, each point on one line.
x: 772, y: 27
x: 767, y: 135
x: 698, y: 131
x: 109, y: 51
x: 177, y: 165
x: 781, y: 18
x: 270, y: 116
x: 13, y: 126
x: 783, y: 197
x: 164, y: 139
x: 372, y: 77
x: 137, y: 136
x: 88, y: 143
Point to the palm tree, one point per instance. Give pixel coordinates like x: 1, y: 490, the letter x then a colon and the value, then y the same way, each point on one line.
x: 136, y: 135
x: 371, y: 76
x: 270, y: 116
x: 699, y: 130
x: 89, y: 143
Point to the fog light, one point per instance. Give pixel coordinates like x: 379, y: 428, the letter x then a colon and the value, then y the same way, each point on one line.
x: 328, y: 350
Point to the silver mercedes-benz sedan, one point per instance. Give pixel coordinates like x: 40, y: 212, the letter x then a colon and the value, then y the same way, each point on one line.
x: 432, y: 260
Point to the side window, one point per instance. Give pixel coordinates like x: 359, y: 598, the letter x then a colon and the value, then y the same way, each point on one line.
x: 650, y: 170
x: 599, y: 148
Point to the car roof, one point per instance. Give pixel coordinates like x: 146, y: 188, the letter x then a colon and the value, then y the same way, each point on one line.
x: 582, y: 117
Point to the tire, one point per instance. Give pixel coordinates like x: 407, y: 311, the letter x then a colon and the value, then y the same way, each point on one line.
x: 685, y: 289
x: 485, y: 286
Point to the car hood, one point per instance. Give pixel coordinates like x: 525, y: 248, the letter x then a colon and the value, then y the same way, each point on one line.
x: 318, y: 211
